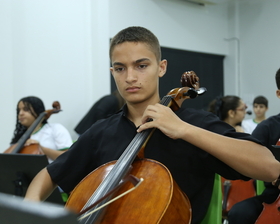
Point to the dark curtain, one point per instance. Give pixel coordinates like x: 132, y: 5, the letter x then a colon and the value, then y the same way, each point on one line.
x: 208, y: 67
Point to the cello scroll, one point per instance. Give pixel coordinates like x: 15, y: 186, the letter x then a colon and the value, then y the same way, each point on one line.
x: 190, y: 89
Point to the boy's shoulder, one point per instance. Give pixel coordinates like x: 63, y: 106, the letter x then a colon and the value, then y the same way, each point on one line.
x: 270, y: 121
x: 272, y: 118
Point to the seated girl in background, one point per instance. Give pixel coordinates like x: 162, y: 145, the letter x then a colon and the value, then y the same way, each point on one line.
x: 53, y: 139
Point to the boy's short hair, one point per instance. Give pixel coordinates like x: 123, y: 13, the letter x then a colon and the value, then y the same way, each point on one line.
x: 277, y: 78
x: 137, y: 34
x: 261, y: 100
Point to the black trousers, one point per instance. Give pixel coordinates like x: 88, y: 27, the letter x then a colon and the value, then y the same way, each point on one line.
x: 245, y: 212
x: 248, y: 211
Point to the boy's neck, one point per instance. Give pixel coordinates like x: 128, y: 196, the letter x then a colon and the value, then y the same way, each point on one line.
x: 259, y: 119
x: 136, y: 111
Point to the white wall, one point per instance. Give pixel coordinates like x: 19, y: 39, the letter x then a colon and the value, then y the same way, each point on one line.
x: 260, y: 51
x: 53, y: 50
x: 58, y: 49
x: 177, y: 23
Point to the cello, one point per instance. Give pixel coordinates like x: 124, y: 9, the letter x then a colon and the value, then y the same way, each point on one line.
x: 156, y: 198
x: 34, y: 148
x: 270, y: 213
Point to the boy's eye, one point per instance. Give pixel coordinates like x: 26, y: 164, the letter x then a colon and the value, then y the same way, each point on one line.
x: 142, y: 66
x: 118, y: 69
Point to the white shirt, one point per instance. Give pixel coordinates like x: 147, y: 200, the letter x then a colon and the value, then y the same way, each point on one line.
x: 249, y: 125
x: 54, y: 136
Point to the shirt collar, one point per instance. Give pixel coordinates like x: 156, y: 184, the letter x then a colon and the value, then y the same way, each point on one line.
x: 124, y: 110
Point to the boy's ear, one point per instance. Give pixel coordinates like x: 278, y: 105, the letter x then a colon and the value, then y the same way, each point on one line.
x: 278, y: 93
x: 162, y: 67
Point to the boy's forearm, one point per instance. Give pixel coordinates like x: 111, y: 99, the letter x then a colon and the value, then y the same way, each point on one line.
x: 41, y: 187
x: 249, y: 158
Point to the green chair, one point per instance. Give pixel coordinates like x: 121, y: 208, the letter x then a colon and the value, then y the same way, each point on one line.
x: 259, y: 187
x: 214, y: 212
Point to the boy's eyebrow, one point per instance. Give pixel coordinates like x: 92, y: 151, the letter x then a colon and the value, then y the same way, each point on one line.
x: 117, y: 63
x: 136, y: 62
x: 141, y: 60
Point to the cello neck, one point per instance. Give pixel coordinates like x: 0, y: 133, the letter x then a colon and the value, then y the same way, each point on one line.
x: 27, y: 134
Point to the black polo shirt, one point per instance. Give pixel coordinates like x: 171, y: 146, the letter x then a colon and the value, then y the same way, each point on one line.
x: 192, y: 168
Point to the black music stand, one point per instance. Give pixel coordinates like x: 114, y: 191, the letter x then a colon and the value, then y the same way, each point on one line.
x: 14, y: 210
x: 18, y: 170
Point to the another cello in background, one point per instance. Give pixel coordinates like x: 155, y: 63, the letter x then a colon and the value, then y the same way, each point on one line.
x: 35, y: 143
x: 33, y: 148
x: 235, y: 191
x: 270, y: 213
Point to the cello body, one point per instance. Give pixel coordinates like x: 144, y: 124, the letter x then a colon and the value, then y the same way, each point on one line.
x: 270, y: 213
x: 235, y: 191
x: 33, y: 149
x: 157, y: 200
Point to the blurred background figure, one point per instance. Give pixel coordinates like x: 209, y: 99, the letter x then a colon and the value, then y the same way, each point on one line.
x: 52, y: 139
x: 252, y: 209
x: 230, y: 109
x: 104, y: 107
x: 260, y: 106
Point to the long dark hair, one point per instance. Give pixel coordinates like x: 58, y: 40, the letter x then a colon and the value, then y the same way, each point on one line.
x: 221, y: 105
x: 35, y: 106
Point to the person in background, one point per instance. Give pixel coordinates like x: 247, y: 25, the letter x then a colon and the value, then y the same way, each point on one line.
x: 260, y: 106
x: 52, y: 139
x: 268, y: 132
x: 192, y: 144
x: 103, y: 108
x: 230, y: 109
